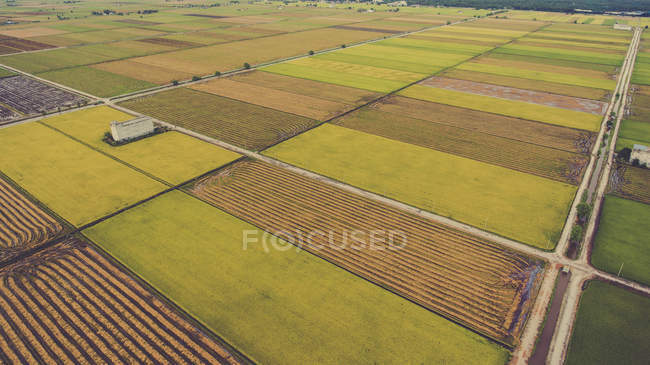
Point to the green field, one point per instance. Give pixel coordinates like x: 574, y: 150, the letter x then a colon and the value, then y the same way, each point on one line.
x: 309, y: 70
x: 96, y: 82
x: 622, y: 239
x: 524, y: 207
x: 612, y: 327
x: 447, y: 47
x: 540, y: 75
x: 76, y: 182
x: 634, y: 130
x: 171, y: 156
x: 565, y: 54
x: 511, y: 108
x: 280, y: 306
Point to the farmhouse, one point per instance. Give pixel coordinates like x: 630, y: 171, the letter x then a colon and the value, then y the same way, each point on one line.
x: 641, y: 153
x: 619, y: 26
x: 134, y: 128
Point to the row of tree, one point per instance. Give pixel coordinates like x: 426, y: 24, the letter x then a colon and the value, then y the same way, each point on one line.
x: 597, y: 6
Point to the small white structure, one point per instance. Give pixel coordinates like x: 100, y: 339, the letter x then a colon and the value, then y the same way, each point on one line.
x: 641, y: 153
x: 618, y: 26
x: 134, y: 128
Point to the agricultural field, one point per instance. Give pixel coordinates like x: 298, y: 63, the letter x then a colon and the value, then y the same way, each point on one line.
x: 171, y: 156
x: 23, y: 96
x: 619, y: 244
x: 611, y: 327
x: 281, y: 312
x: 307, y: 98
x: 491, y: 197
x: 69, y: 303
x: 10, y: 45
x: 246, y: 125
x: 65, y: 175
x: 630, y: 182
x: 278, y: 201
x: 24, y: 224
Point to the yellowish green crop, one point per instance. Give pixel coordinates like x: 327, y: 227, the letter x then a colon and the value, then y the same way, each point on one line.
x: 517, y: 205
x: 284, y: 306
x: 172, y: 156
x: 77, y: 183
x: 511, y: 108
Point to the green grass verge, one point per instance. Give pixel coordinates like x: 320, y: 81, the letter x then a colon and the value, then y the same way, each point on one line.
x: 96, y: 82
x: 74, y: 181
x: 524, y: 207
x: 622, y: 239
x: 280, y: 306
x: 540, y: 75
x: 171, y: 156
x: 612, y: 327
x: 511, y: 108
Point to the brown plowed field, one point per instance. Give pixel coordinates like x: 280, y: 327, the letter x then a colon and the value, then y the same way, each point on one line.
x: 545, y: 86
x: 631, y: 182
x: 469, y: 280
x: 22, y: 224
x: 13, y: 45
x: 566, y: 139
x: 243, y: 124
x: 68, y: 304
x: 529, y: 96
x: 521, y: 156
x: 306, y: 106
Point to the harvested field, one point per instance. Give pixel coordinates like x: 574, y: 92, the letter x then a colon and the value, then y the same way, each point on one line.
x: 19, y: 44
x: 630, y: 182
x: 511, y: 108
x: 96, y: 81
x: 135, y: 70
x: 525, y: 207
x: 512, y: 128
x: 321, y: 90
x: 245, y: 125
x: 31, y: 32
x: 447, y: 38
x: 70, y: 304
x: 538, y: 160
x: 29, y: 96
x: 558, y: 101
x: 23, y: 223
x: 278, y: 306
x: 170, y: 42
x: 305, y: 106
x: 554, y: 66
x: 459, y: 276
x: 563, y: 54
x: 537, y: 85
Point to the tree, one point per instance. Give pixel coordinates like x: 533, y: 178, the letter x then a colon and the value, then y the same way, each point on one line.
x: 174, y: 82
x: 635, y: 162
x: 217, y: 73
x: 576, y: 234
x: 584, y: 211
x: 247, y: 65
x: 624, y: 154
x: 311, y: 53
x: 343, y: 46
x: 196, y: 78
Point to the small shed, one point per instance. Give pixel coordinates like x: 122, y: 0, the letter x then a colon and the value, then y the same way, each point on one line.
x: 619, y: 26
x: 134, y: 128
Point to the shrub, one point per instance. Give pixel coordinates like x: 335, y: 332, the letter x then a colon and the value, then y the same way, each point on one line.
x: 196, y: 78
x: 217, y: 73
x: 624, y: 154
x: 343, y: 46
x: 576, y: 234
x: 311, y: 53
x: 247, y: 66
x: 584, y: 211
x: 174, y: 82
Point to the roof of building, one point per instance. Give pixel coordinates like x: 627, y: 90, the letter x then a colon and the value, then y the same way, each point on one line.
x: 640, y: 147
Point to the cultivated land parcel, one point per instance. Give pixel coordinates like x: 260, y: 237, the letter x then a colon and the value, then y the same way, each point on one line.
x: 400, y: 119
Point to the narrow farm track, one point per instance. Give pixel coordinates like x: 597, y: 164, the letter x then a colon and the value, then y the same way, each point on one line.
x: 68, y: 304
x: 23, y: 225
x: 457, y: 275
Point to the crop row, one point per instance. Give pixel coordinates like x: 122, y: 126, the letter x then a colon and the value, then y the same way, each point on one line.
x: 22, y: 223
x: 68, y: 304
x: 631, y: 182
x: 457, y: 275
